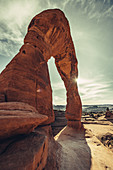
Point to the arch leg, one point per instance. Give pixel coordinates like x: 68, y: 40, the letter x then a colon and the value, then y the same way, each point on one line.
x: 44, y: 93
x: 67, y: 67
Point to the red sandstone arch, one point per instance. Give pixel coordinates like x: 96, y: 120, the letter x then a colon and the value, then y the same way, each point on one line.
x: 26, y: 77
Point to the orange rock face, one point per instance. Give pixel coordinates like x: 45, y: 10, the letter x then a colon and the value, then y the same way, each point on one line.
x: 18, y: 118
x: 24, y: 152
x: 26, y: 77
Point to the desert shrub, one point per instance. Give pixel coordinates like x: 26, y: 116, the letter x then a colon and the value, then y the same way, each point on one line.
x: 98, y: 115
x: 107, y: 140
x: 92, y: 115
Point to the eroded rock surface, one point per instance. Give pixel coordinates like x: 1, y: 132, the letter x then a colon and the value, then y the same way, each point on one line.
x: 59, y: 123
x: 24, y: 152
x: 54, y: 149
x: 26, y: 77
x: 18, y: 118
x: 75, y: 153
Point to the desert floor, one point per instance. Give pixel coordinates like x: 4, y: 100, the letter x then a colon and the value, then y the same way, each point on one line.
x: 91, y: 148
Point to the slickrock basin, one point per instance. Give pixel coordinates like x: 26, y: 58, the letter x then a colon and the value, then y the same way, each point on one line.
x: 18, y: 118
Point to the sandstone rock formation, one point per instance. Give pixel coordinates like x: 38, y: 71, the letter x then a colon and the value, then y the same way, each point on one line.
x: 54, y: 148
x: 26, y: 77
x: 59, y: 123
x: 24, y: 152
x: 18, y: 118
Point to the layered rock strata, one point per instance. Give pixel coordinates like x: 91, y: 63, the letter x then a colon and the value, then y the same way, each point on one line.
x: 24, y: 152
x: 18, y: 118
x: 26, y: 77
x: 35, y: 151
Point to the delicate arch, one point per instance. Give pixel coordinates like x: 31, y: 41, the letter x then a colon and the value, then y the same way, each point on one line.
x: 26, y: 77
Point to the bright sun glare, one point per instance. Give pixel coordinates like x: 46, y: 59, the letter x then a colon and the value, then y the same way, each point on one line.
x: 76, y: 80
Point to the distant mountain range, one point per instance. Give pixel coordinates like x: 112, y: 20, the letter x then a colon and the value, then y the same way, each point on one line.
x: 87, y: 108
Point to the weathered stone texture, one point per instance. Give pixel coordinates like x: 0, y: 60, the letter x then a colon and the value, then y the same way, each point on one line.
x: 59, y: 123
x: 18, y: 118
x: 54, y: 149
x: 24, y: 152
x: 26, y: 77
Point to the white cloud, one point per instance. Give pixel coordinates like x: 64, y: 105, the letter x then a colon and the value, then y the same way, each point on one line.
x: 59, y: 101
x: 65, y: 3
x: 109, y: 11
x: 95, y: 90
x: 14, y: 19
x: 58, y: 85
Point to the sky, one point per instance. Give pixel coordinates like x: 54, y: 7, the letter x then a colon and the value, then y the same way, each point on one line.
x: 91, y: 24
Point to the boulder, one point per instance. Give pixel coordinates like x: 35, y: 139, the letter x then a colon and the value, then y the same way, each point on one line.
x: 18, y: 118
x: 24, y: 152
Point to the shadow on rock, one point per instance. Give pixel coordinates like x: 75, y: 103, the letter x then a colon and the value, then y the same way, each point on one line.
x: 75, y: 153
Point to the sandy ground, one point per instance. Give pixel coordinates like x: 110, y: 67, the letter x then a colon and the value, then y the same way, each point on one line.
x: 102, y: 157
x: 82, y: 150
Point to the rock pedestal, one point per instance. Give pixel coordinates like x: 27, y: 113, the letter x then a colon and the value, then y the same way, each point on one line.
x: 26, y: 77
